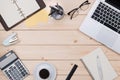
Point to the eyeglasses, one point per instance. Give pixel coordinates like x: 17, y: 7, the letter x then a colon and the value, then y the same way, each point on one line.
x: 75, y: 12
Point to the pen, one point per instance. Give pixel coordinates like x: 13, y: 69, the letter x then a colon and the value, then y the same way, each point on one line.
x: 72, y: 72
x: 99, y: 67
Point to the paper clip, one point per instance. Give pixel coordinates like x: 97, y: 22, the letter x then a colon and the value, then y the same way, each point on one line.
x: 11, y: 39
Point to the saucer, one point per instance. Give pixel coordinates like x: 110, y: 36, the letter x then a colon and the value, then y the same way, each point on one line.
x: 47, y: 66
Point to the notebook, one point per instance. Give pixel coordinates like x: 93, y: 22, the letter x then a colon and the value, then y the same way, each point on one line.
x: 98, y: 66
x: 12, y: 12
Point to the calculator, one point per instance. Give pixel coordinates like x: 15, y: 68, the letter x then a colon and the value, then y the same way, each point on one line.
x: 13, y: 67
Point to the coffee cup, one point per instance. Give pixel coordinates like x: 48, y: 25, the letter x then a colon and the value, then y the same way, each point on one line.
x: 45, y: 71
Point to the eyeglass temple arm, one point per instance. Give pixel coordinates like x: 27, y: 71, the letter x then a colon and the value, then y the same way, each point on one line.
x: 72, y: 11
x: 84, y: 3
x: 72, y: 15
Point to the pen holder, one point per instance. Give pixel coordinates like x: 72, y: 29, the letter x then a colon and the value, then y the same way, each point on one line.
x: 56, y: 12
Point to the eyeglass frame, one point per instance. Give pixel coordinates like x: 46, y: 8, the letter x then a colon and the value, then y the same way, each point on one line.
x: 76, y: 9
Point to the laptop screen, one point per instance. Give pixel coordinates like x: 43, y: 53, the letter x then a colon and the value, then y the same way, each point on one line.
x: 115, y: 3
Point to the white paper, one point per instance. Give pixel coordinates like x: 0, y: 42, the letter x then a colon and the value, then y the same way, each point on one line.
x: 10, y: 13
x: 28, y: 6
x: 90, y: 62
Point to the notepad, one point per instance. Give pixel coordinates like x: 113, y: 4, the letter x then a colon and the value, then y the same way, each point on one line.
x: 39, y: 17
x: 12, y: 12
x: 98, y: 66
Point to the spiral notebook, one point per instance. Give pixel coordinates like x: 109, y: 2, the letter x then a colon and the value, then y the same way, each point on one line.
x: 12, y: 12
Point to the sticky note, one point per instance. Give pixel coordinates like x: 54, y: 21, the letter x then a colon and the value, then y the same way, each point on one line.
x: 39, y: 17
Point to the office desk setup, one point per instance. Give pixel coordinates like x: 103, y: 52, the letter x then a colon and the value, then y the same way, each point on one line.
x: 58, y: 42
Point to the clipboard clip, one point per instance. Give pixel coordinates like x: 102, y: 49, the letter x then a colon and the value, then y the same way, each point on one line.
x: 11, y: 39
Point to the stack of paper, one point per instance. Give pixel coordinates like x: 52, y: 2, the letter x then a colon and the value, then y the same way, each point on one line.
x: 98, y: 66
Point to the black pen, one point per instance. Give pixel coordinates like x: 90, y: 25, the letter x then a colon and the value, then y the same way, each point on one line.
x: 72, y: 72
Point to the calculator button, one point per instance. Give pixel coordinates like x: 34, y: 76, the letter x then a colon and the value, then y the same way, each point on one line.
x: 12, y: 75
x: 8, y: 75
x: 17, y: 72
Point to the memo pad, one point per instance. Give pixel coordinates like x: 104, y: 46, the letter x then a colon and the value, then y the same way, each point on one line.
x: 39, y: 17
x: 12, y: 12
x: 98, y: 65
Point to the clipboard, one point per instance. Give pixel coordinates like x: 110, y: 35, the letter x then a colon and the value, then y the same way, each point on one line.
x: 7, y: 28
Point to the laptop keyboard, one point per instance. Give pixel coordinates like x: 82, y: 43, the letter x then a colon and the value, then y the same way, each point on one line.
x: 107, y: 16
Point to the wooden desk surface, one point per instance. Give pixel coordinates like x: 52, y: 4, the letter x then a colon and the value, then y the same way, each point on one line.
x: 57, y: 42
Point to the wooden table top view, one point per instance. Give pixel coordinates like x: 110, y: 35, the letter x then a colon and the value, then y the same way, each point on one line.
x: 58, y: 42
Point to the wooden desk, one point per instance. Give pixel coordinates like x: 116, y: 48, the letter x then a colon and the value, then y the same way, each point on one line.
x: 57, y: 42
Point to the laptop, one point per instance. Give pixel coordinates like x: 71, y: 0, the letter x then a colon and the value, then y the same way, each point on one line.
x: 103, y: 23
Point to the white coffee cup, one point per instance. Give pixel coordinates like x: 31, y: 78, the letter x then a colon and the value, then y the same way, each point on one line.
x: 45, y: 71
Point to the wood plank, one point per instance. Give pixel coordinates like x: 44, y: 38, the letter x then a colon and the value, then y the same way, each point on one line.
x: 63, y: 67
x: 59, y: 77
x: 57, y: 52
x: 50, y: 37
x: 74, y: 77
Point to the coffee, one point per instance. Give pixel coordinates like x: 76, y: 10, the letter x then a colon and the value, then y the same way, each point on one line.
x: 44, y: 73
